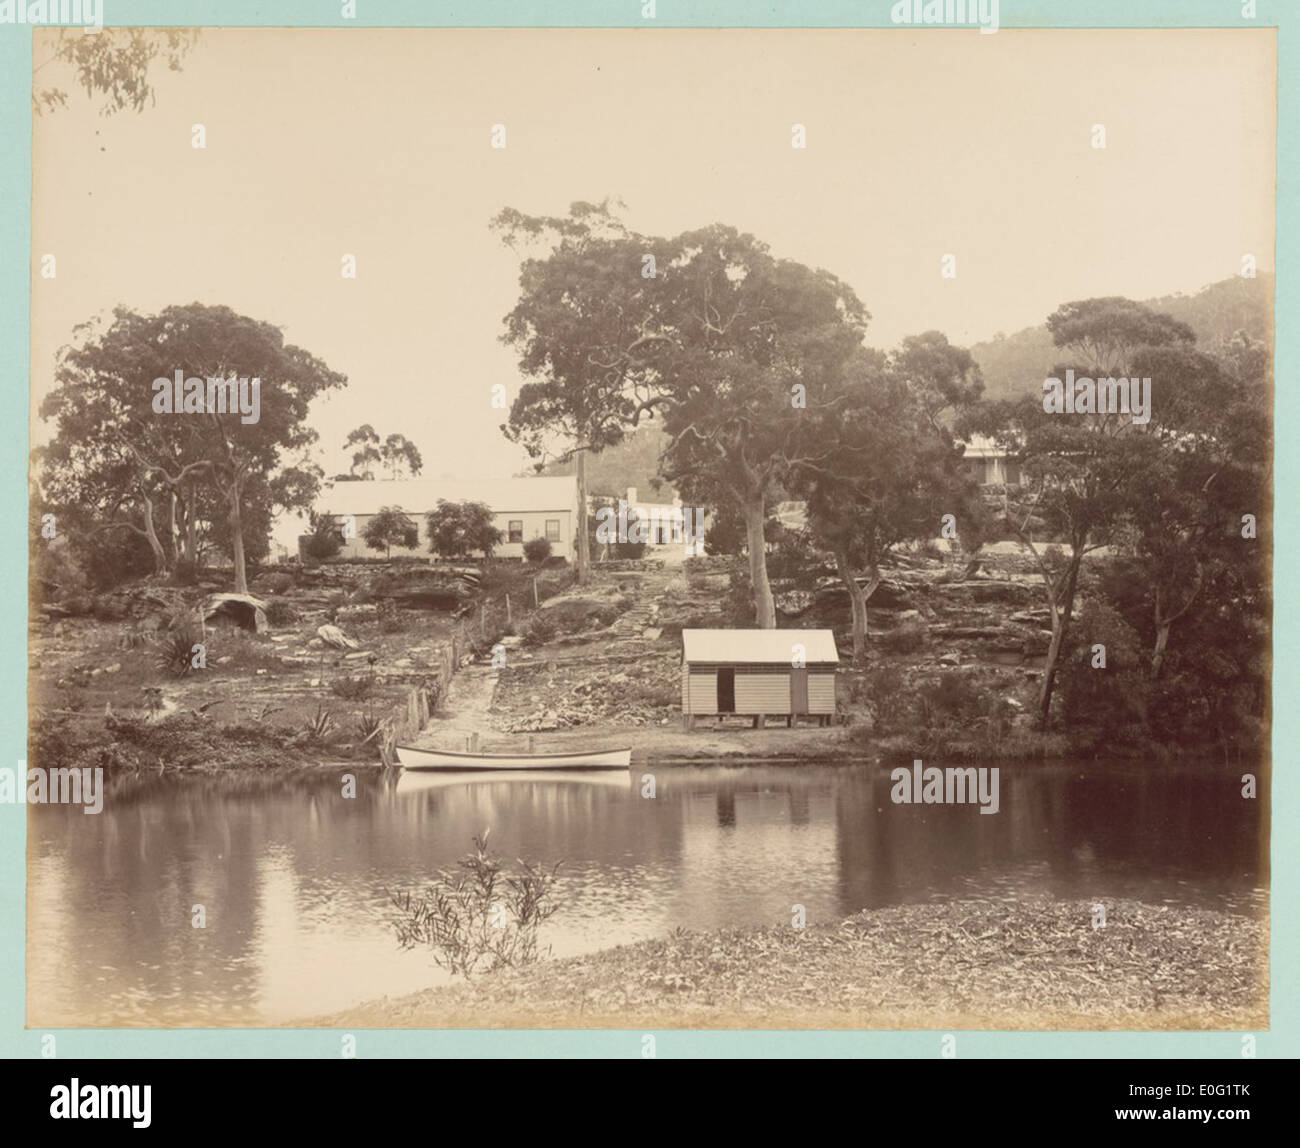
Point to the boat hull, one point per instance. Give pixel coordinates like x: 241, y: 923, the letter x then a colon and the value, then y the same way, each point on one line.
x: 442, y: 759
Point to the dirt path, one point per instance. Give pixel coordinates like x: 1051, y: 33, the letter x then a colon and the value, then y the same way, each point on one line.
x: 462, y: 711
x: 467, y: 708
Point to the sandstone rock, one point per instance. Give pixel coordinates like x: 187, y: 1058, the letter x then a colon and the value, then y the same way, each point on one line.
x: 245, y: 611
x: 333, y: 636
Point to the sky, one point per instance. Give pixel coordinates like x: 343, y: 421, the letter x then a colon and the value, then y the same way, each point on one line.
x: 377, y: 143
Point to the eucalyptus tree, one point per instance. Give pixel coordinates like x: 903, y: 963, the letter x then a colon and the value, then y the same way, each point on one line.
x: 892, y: 468
x: 106, y: 395
x: 1080, y: 470
x: 729, y: 346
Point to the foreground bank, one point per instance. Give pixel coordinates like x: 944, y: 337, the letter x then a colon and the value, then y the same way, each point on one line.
x: 1035, y: 963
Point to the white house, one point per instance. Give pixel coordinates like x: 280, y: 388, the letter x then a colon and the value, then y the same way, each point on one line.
x: 668, y: 524
x: 523, y: 508
x: 987, y: 462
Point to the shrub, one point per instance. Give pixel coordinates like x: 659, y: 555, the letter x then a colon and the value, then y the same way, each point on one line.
x: 279, y: 583
x: 318, y: 727
x: 389, y: 528
x: 907, y: 638
x: 353, y: 689
x: 881, y: 688
x: 176, y: 651
x: 952, y: 695
x: 1120, y: 690
x: 459, y: 915
x: 390, y: 618
x: 540, y: 630
x: 368, y: 727
x: 537, y: 550
x: 280, y: 612
x: 953, y: 705
x: 325, y: 539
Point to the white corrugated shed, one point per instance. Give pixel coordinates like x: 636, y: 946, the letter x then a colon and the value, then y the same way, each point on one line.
x: 774, y: 647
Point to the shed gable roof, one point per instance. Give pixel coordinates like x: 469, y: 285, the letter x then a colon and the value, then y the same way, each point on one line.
x: 773, y: 646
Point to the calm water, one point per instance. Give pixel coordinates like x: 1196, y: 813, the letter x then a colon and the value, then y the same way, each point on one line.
x: 293, y: 876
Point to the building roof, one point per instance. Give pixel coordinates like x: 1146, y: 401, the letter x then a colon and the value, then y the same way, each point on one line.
x: 984, y: 446
x: 419, y: 495
x: 758, y: 645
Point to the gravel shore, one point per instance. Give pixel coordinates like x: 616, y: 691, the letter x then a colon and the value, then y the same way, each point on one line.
x: 1036, y: 964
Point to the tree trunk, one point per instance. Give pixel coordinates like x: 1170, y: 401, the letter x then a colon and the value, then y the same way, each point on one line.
x: 172, y: 529
x: 584, y: 548
x: 191, y: 549
x: 1059, y: 632
x: 237, y: 540
x: 159, y: 555
x: 754, y: 511
x: 1164, y: 623
x: 858, y: 598
x: 1162, y: 640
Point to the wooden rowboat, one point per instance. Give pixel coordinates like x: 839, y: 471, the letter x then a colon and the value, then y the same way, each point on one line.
x: 430, y: 759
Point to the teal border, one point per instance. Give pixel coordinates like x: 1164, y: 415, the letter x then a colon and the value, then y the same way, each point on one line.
x: 1283, y: 1037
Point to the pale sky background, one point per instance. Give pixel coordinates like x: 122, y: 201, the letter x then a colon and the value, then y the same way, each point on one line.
x: 376, y: 142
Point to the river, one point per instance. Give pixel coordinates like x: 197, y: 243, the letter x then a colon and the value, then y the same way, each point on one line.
x: 294, y: 877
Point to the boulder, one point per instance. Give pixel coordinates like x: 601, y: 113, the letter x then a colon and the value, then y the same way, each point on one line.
x: 333, y: 636
x: 421, y: 587
x: 242, y: 610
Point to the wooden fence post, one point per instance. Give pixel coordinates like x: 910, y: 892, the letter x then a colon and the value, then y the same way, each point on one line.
x: 509, y: 616
x: 536, y: 603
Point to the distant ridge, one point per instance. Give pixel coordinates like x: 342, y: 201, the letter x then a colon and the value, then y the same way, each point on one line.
x: 633, y: 462
x: 1016, y: 365
x: 1013, y: 366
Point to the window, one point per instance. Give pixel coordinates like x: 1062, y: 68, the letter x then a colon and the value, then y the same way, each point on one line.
x: 552, y: 530
x: 516, y: 530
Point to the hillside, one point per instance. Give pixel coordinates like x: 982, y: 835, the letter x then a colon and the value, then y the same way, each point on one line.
x: 1016, y: 365
x: 634, y: 462
x: 1013, y: 366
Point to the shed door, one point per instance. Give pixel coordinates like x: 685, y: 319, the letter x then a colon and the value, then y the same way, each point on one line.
x: 798, y: 689
x: 727, y: 690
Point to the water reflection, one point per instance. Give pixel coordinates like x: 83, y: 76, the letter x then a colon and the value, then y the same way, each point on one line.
x: 292, y: 875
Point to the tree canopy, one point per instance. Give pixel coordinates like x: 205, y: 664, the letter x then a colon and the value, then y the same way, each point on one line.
x: 707, y: 331
x: 160, y: 474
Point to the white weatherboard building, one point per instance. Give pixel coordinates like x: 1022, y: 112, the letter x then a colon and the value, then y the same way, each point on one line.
x: 667, y: 524
x: 987, y: 462
x: 522, y: 508
x: 758, y: 672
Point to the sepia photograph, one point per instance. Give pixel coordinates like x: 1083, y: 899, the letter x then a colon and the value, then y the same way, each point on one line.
x: 651, y: 528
